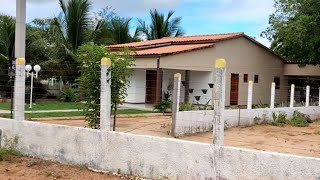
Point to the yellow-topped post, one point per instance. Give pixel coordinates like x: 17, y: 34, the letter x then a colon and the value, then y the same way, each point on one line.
x: 219, y: 101
x: 19, y: 89
x: 105, y: 94
x: 175, y: 102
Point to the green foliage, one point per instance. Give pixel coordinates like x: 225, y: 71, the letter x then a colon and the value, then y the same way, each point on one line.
x: 90, y: 56
x: 294, y: 30
x: 161, y: 26
x: 9, y: 148
x: 205, y: 106
x: 279, y: 119
x: 187, y: 106
x: 121, y: 70
x: 165, y: 105
x: 260, y: 105
x: 299, y: 120
x: 70, y: 95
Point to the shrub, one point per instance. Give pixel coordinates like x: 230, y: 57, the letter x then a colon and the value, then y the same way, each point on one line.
x: 163, y: 106
x: 186, y: 106
x: 70, y: 95
x: 299, y: 120
x: 280, y: 119
x: 204, y: 107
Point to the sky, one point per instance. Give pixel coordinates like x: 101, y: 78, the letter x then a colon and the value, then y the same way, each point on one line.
x: 198, y: 16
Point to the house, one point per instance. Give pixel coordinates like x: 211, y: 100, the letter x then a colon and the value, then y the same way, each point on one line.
x: 156, y: 62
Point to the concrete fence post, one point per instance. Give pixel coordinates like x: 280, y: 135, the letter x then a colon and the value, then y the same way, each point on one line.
x: 105, y: 95
x: 292, y: 95
x: 250, y: 92
x: 273, y: 95
x: 219, y: 101
x: 307, y: 96
x: 319, y: 97
x: 19, y: 89
x: 175, y: 101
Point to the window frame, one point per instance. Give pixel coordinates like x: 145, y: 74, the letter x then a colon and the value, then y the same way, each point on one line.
x: 256, y: 78
x: 245, y: 78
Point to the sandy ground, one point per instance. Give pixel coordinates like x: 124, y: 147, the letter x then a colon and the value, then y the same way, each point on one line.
x: 292, y: 140
x: 22, y: 168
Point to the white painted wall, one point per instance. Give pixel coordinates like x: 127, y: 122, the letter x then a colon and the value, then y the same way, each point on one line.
x: 137, y: 88
x: 198, y: 81
x: 202, y: 121
x: 153, y: 157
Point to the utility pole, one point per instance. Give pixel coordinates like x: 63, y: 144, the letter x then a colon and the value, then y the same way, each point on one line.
x: 20, y: 46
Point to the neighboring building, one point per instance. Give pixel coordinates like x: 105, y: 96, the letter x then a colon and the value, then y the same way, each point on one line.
x: 193, y: 56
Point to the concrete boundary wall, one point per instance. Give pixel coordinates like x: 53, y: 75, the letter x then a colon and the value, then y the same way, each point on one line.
x: 191, y: 122
x: 153, y: 157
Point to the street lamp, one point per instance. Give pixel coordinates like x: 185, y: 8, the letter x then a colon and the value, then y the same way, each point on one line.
x: 33, y: 74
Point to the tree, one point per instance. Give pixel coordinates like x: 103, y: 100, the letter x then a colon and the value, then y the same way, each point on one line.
x: 89, y: 56
x: 7, y: 37
x: 113, y: 29
x: 294, y: 30
x: 160, y: 26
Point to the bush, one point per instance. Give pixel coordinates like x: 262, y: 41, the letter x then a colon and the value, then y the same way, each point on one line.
x: 165, y: 105
x: 299, y: 120
x: 39, y: 91
x: 70, y: 95
x: 280, y: 119
x: 186, y: 106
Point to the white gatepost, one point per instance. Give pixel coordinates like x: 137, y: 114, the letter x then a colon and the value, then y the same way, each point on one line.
x: 20, y: 49
x: 292, y: 95
x: 273, y: 95
x: 175, y: 101
x: 319, y: 97
x: 105, y: 95
x: 250, y: 92
x: 19, y: 89
x: 219, y: 101
x: 307, y: 96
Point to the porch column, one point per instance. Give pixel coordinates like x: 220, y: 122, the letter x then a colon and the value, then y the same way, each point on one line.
x: 186, y: 86
x: 159, y: 82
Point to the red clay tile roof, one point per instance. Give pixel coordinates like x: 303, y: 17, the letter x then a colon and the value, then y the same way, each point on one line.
x: 177, y: 40
x: 173, y: 49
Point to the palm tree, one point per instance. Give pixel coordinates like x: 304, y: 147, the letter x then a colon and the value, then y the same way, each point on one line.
x: 74, y: 23
x: 116, y: 31
x: 7, y: 37
x: 160, y: 26
x: 71, y: 29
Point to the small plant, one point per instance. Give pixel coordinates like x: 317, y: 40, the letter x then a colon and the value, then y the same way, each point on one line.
x: 186, y: 106
x: 260, y: 105
x: 9, y: 148
x: 205, y: 106
x: 279, y: 119
x: 70, y: 95
x: 165, y: 105
x: 233, y: 107
x: 299, y: 120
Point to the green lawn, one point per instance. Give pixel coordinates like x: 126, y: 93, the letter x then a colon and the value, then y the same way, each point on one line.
x: 72, y: 114
x: 46, y: 106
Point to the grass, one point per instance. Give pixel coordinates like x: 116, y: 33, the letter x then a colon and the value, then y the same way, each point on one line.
x: 73, y: 114
x: 42, y: 106
x: 6, y: 153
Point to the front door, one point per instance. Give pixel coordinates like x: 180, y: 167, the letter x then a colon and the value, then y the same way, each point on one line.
x: 151, y: 86
x: 234, y: 89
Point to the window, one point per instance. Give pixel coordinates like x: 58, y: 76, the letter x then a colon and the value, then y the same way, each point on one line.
x: 245, y: 78
x: 277, y: 81
x: 256, y: 78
